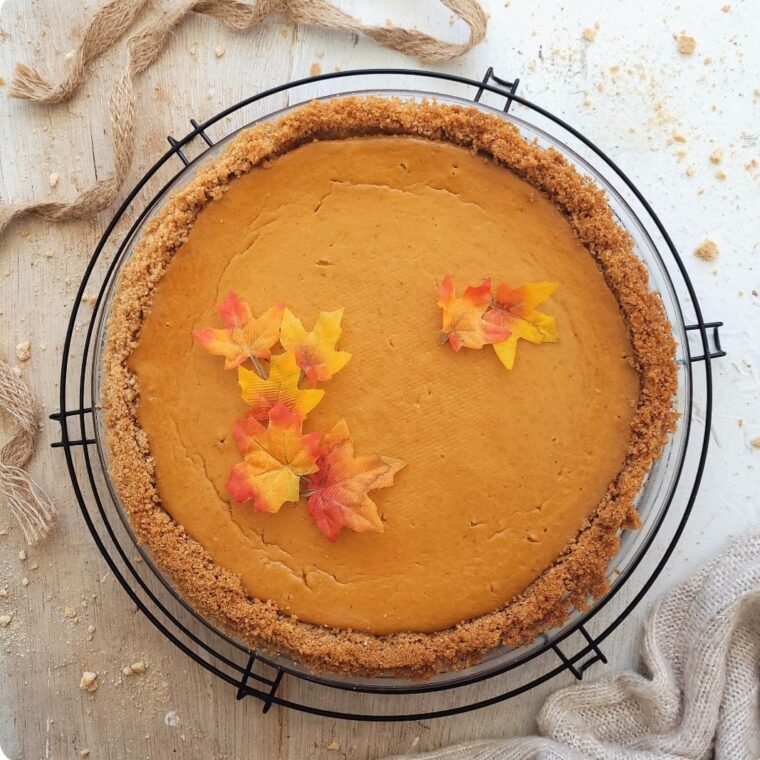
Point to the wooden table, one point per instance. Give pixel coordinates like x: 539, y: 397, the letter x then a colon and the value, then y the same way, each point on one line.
x: 629, y: 89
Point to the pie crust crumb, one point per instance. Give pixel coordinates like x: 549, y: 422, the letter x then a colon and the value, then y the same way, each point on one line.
x: 707, y: 251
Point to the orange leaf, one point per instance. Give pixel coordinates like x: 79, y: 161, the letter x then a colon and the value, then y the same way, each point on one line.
x: 338, y: 490
x: 244, y: 336
x: 280, y: 387
x: 463, y: 322
x: 315, y: 351
x: 515, y: 309
x: 274, y: 459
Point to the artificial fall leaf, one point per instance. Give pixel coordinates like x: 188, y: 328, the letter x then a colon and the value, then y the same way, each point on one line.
x: 315, y: 351
x: 515, y: 309
x: 463, y: 322
x: 244, y: 336
x: 274, y: 459
x: 337, y: 491
x: 262, y: 394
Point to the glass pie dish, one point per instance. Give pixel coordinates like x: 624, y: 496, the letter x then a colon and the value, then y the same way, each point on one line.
x: 660, y: 489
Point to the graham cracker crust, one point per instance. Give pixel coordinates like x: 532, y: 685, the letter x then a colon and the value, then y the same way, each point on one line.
x: 580, y: 573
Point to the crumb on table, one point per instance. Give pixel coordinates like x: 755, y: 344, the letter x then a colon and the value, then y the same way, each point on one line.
x: 89, y: 681
x: 707, y: 251
x: 24, y: 351
x: 686, y: 44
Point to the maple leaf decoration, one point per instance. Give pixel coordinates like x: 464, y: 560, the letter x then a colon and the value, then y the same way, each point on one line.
x: 244, y: 336
x: 315, y: 351
x: 280, y: 387
x: 274, y: 459
x: 337, y: 490
x: 280, y: 463
x: 463, y: 322
x: 515, y: 309
x: 479, y: 318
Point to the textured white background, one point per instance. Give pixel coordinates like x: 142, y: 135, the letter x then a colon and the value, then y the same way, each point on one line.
x: 629, y: 90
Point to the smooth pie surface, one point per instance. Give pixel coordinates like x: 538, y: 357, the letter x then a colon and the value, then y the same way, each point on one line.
x: 503, y: 467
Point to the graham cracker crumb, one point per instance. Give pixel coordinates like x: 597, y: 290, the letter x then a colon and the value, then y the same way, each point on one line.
x: 707, y: 251
x: 70, y: 612
x: 89, y: 681
x: 219, y: 51
x: 726, y: 8
x: 3, y: 593
x: 581, y: 570
x: 22, y: 556
x: 720, y: 175
x: 590, y: 34
x: 716, y: 156
x: 315, y: 69
x: 25, y: 581
x: 84, y: 753
x: 135, y: 669
x: 755, y: 442
x: 24, y: 351
x: 53, y: 179
x: 5, y: 620
x: 333, y: 746
x: 686, y: 44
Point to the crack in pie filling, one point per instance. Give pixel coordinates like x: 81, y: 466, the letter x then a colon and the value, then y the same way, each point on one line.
x: 516, y: 484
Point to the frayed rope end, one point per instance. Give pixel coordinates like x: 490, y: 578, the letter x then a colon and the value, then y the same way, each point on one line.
x: 29, y: 504
x: 29, y: 84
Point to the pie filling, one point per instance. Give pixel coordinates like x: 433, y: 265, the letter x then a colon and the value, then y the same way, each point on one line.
x: 504, y: 468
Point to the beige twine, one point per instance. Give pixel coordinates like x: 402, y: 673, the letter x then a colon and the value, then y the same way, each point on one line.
x: 28, y: 502
x: 143, y: 47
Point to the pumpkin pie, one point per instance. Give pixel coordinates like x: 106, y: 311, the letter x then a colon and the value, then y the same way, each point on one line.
x: 516, y: 483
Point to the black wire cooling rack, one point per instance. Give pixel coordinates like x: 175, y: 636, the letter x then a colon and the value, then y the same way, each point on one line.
x: 275, y: 680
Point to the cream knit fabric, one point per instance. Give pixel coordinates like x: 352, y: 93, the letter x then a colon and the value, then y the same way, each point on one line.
x: 699, y: 695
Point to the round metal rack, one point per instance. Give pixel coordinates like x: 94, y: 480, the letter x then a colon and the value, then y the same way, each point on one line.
x: 276, y: 680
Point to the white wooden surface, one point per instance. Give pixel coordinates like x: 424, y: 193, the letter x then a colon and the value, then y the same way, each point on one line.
x: 629, y: 89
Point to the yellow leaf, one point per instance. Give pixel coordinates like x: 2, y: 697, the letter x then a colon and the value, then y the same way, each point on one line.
x: 280, y: 387
x: 315, y: 351
x: 515, y: 309
x: 274, y: 459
